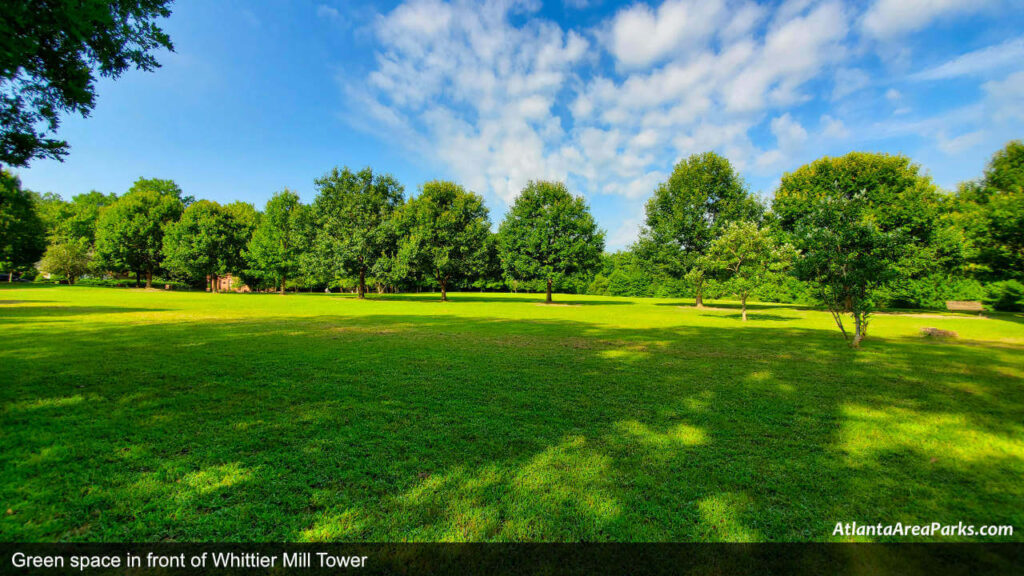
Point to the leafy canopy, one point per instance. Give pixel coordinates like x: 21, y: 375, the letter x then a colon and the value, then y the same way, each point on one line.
x: 50, y: 54
x: 699, y: 200
x: 351, y: 212
x: 207, y: 241
x: 274, y: 250
x: 130, y: 232
x: 549, y: 234
x: 22, y: 233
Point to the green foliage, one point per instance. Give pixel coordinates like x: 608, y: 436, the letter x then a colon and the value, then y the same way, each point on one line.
x: 444, y: 233
x: 273, y: 253
x: 130, y: 232
x: 1007, y: 296
x: 700, y: 199
x: 862, y: 221
x: 549, y: 234
x: 351, y: 217
x: 991, y: 213
x: 207, y: 241
x: 22, y: 234
x: 50, y: 55
x: 69, y: 258
x: 746, y: 257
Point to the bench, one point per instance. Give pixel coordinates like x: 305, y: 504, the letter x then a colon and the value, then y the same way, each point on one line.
x: 964, y: 306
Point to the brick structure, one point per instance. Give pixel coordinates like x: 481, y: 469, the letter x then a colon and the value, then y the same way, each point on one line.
x: 226, y: 283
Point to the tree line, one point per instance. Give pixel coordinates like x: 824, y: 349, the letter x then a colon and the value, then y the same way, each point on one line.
x: 850, y: 233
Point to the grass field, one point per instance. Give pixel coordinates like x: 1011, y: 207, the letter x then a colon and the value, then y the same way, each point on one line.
x: 144, y: 415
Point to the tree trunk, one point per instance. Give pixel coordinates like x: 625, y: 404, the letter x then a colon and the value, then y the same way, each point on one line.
x: 858, y: 333
x: 149, y: 278
x: 444, y: 291
x: 138, y: 279
x: 10, y: 276
x: 743, y: 302
x: 548, y: 300
x: 283, y: 279
x: 361, y: 289
x: 71, y: 280
x: 699, y: 298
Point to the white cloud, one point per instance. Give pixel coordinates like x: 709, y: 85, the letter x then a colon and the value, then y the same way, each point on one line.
x: 961, y: 143
x: 1005, y: 98
x: 641, y: 35
x: 1008, y: 55
x: 833, y: 128
x: 847, y: 81
x: 495, y: 95
x: 887, y: 19
x: 327, y: 12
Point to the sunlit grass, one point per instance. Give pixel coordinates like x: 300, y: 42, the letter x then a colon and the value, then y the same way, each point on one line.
x: 148, y: 415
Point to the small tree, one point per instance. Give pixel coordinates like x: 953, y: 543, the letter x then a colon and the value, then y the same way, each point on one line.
x: 444, y: 232
x: 747, y: 256
x: 273, y: 252
x: 69, y: 258
x: 862, y: 221
x: 351, y: 212
x: 549, y: 234
x: 22, y: 232
x: 130, y: 233
x: 847, y: 257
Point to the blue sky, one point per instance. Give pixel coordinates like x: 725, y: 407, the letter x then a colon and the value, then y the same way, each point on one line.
x: 264, y: 95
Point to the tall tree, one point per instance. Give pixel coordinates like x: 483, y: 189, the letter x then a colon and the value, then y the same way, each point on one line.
x: 50, y: 54
x: 549, y: 234
x: 861, y: 221
x: 747, y: 257
x: 444, y: 232
x: 991, y: 213
x: 206, y: 242
x: 130, y: 232
x: 22, y: 233
x: 699, y: 200
x: 352, y: 210
x: 273, y: 253
x: 76, y: 220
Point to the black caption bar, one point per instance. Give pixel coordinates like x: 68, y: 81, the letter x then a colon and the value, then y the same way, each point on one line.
x: 501, y: 559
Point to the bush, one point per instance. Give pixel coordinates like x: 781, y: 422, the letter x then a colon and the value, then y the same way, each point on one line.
x: 1007, y: 296
x: 930, y: 292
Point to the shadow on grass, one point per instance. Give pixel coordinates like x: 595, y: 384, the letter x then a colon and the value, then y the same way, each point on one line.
x: 20, y: 313
x: 559, y: 299
x: 437, y: 428
x: 754, y: 317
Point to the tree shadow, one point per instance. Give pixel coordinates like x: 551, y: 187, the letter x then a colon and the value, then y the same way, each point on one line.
x: 19, y: 313
x: 754, y: 317
x: 559, y: 299
x: 428, y: 428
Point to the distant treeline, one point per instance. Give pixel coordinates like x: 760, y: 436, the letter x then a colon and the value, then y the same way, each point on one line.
x: 873, y: 214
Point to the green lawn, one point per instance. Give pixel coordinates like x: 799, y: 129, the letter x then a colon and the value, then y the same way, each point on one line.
x: 146, y: 415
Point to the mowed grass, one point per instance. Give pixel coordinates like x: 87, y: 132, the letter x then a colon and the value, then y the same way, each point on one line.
x: 159, y: 416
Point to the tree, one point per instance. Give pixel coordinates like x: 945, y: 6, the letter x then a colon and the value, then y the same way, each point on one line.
x: 22, y: 233
x: 699, y: 200
x: 444, y: 232
x: 861, y: 221
x: 207, y: 242
x: 273, y: 253
x: 991, y: 213
x: 67, y: 257
x: 75, y: 220
x: 747, y: 256
x: 50, y: 54
x: 352, y: 210
x: 549, y: 234
x: 130, y: 232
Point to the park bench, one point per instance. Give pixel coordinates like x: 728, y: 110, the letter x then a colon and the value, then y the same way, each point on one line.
x: 964, y: 306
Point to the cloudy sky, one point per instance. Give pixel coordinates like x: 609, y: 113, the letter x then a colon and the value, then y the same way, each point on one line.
x: 265, y: 95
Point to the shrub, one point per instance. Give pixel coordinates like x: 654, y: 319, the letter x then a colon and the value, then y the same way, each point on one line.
x: 1007, y: 296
